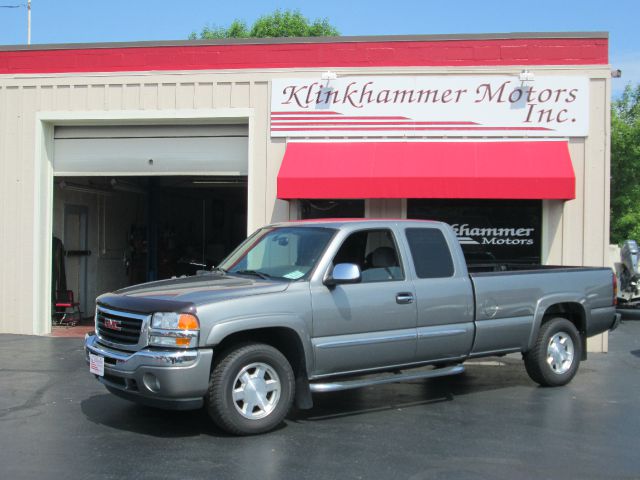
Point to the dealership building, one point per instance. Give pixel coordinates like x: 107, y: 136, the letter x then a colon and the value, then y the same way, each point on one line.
x: 142, y: 161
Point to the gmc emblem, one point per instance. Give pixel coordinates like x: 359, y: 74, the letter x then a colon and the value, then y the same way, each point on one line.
x: 112, y: 324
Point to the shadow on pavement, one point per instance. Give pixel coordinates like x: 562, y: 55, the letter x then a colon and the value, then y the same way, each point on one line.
x: 417, y: 393
x: 113, y: 412
x: 110, y: 411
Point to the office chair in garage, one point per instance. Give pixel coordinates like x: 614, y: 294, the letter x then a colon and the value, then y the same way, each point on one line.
x: 65, y: 310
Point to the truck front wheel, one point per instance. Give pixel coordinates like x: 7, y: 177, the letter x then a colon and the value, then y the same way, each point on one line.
x: 554, y: 359
x: 251, y: 389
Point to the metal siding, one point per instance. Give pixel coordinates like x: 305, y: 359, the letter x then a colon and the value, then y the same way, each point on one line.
x: 114, y: 97
x: 222, y: 95
x: 580, y: 233
x: 573, y: 211
x: 150, y: 96
x: 204, y: 95
x: 257, y: 195
x: 97, y: 97
x: 594, y: 191
x: 185, y: 94
x: 12, y: 217
x: 4, y: 167
x: 552, y: 231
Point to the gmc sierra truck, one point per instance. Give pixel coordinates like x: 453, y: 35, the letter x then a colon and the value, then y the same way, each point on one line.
x: 320, y: 306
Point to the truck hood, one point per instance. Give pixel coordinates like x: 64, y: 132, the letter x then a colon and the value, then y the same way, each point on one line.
x: 185, y: 294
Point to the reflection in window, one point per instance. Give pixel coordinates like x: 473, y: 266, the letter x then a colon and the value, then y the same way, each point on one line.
x: 430, y: 252
x: 283, y: 252
x: 489, y: 231
x: 374, y: 251
x: 331, y: 209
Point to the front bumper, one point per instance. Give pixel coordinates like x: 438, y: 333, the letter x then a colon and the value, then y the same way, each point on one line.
x: 164, y: 378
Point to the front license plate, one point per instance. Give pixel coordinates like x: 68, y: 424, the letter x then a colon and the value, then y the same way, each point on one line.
x: 96, y: 364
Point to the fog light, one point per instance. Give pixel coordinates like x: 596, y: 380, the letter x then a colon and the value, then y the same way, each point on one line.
x: 151, y: 382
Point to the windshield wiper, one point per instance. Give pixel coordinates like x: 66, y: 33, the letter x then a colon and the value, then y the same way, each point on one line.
x: 255, y: 273
x: 218, y: 269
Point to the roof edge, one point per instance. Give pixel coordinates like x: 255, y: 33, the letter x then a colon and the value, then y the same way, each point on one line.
x: 310, y: 40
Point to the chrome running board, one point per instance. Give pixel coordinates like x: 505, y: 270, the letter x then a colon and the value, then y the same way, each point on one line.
x: 380, y: 380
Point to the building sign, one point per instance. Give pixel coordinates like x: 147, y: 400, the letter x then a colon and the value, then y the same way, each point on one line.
x: 445, y: 105
x: 488, y: 230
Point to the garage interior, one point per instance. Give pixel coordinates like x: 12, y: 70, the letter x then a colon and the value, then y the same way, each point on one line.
x: 137, y: 203
x: 120, y: 231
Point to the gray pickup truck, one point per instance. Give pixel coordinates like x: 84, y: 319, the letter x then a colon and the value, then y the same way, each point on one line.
x: 320, y: 306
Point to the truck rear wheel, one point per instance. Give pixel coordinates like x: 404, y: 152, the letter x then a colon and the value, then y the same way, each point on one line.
x: 251, y: 389
x: 554, y: 359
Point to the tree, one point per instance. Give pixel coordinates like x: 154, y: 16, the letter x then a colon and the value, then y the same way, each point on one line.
x: 625, y: 166
x: 288, y: 23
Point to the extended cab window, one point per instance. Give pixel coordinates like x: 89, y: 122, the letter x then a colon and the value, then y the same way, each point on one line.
x: 375, y: 252
x: 430, y: 252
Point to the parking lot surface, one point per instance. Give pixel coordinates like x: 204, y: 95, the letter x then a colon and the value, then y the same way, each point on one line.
x: 57, y: 421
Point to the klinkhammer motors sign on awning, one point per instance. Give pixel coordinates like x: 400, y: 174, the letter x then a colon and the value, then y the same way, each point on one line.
x: 548, y: 106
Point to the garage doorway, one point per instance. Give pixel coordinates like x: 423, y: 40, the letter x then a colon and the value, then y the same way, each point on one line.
x: 120, y: 231
x: 159, y: 199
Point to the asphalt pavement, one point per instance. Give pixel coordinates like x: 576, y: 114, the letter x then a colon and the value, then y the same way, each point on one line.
x: 492, y: 422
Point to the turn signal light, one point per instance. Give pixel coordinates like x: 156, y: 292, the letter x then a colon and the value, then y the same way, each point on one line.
x: 188, y: 322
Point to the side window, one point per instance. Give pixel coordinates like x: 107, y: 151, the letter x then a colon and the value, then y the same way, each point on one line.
x: 430, y: 252
x: 375, y: 252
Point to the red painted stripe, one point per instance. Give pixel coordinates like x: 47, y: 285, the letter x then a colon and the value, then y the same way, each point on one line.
x: 534, y: 51
x: 409, y: 123
x: 321, y: 129
x: 362, y: 117
x: 314, y: 112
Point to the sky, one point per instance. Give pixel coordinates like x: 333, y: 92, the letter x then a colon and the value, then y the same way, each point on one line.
x: 75, y: 21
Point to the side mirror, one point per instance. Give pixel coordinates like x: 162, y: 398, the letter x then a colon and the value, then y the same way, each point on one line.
x: 343, y: 273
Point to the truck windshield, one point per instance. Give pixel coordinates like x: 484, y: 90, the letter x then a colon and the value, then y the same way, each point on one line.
x: 286, y: 253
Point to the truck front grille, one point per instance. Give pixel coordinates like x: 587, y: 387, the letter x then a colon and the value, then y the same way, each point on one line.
x: 119, y: 328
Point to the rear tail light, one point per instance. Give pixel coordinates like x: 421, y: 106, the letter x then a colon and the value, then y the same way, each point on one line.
x: 615, y: 289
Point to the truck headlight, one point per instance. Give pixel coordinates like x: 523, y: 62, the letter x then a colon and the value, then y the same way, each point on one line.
x: 170, y: 329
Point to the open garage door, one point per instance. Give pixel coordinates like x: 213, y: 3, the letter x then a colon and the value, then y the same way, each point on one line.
x: 151, y: 150
x: 158, y: 201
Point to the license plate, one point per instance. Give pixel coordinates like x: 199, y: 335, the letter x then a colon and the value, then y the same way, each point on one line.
x: 96, y: 364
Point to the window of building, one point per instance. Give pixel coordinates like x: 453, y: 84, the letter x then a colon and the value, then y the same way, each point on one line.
x: 331, y: 209
x: 430, y: 252
x: 489, y: 231
x: 375, y: 252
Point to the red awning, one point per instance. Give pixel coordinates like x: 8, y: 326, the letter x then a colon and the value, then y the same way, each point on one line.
x: 496, y: 169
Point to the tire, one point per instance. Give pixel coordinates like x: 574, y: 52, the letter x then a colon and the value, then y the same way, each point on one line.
x: 554, y: 359
x: 251, y: 389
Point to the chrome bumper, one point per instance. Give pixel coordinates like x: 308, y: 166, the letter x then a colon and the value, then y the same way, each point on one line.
x: 175, y: 379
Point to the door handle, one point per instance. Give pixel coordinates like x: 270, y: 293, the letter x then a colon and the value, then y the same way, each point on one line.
x: 404, y: 297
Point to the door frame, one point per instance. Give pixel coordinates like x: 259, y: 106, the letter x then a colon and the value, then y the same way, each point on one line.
x: 44, y: 173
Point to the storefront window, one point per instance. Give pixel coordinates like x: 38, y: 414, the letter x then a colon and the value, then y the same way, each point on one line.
x: 331, y: 209
x: 488, y: 230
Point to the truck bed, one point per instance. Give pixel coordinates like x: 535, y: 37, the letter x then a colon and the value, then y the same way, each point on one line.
x: 507, y: 308
x: 501, y: 267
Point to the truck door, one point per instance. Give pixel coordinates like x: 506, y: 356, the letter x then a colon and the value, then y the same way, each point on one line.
x: 368, y: 324
x: 444, y: 296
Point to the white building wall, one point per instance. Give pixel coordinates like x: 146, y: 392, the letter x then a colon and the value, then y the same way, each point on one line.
x: 575, y: 232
